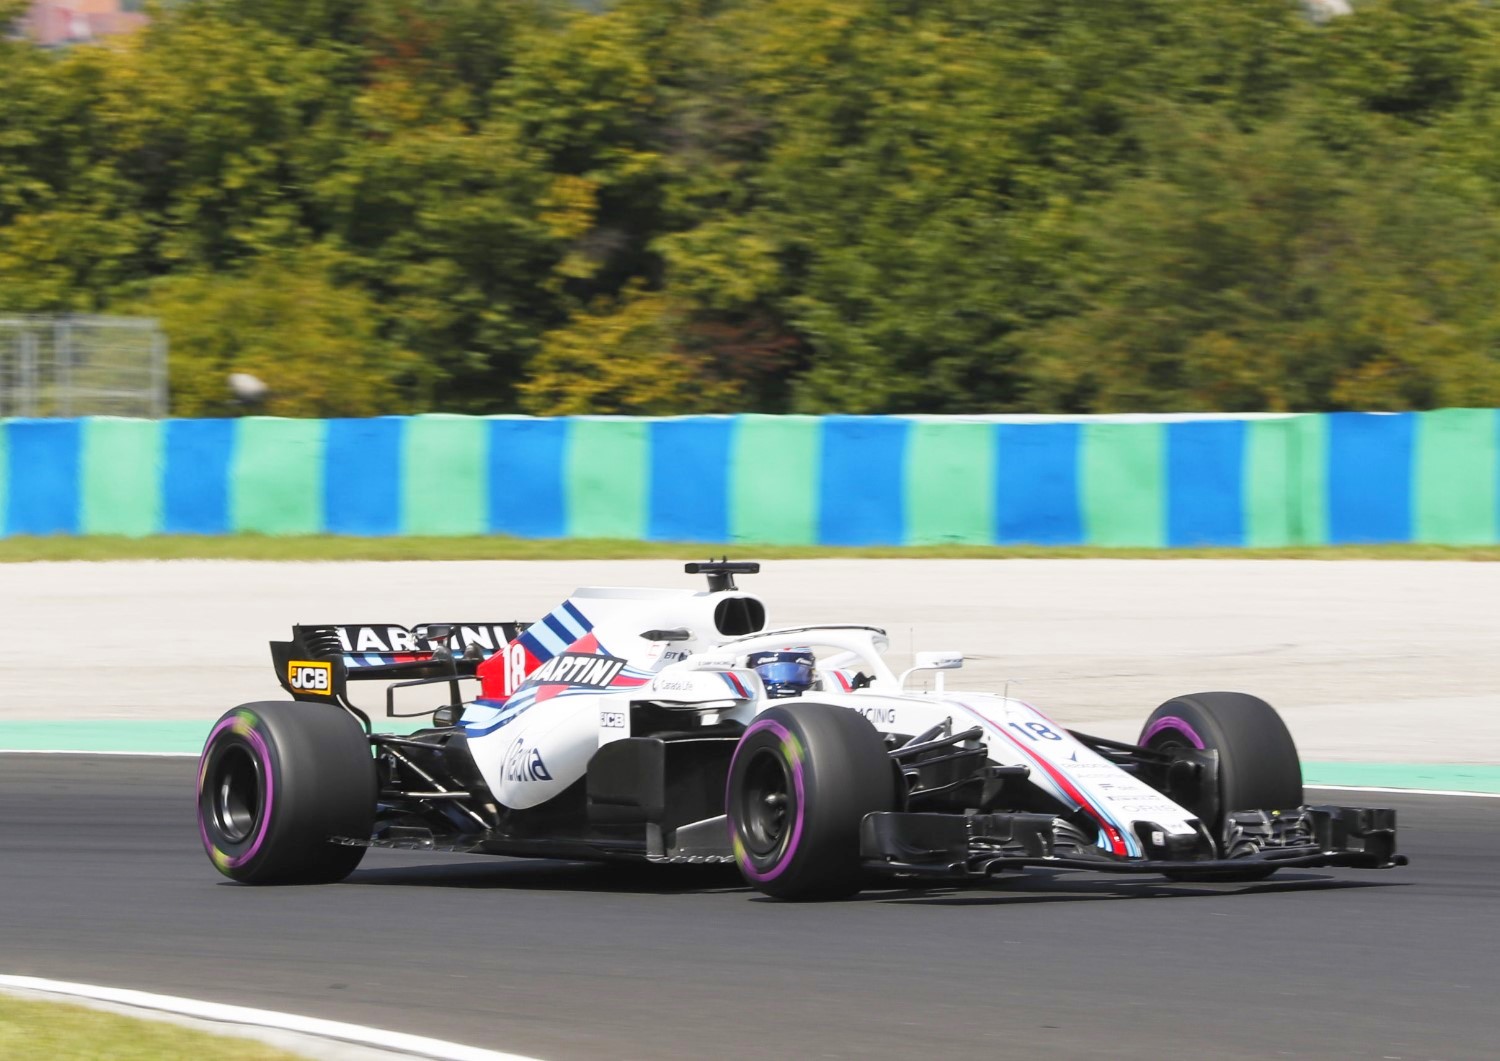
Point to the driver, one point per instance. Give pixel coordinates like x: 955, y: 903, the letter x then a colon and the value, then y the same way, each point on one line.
x: 788, y: 672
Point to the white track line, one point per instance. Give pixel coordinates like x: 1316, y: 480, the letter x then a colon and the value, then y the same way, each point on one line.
x: 1407, y: 791
x: 375, y: 1038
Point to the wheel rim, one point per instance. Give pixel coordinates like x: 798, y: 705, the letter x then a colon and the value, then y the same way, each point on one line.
x: 765, y: 805
x: 1176, y: 738
x: 1171, y: 731
x: 237, y: 795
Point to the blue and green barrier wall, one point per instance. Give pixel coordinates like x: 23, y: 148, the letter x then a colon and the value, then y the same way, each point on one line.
x: 835, y: 480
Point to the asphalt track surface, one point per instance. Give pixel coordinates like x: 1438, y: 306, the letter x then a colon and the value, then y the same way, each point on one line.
x: 103, y: 880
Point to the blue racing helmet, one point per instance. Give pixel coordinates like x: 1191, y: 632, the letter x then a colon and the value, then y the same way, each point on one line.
x: 785, y: 673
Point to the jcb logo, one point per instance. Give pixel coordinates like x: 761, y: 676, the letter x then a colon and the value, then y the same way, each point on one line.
x: 307, y: 677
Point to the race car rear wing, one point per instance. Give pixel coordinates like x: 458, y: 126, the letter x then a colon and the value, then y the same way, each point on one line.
x: 319, y: 661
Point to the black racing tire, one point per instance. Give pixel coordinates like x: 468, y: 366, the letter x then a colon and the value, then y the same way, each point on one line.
x: 276, y: 780
x: 801, y: 781
x: 1259, y: 768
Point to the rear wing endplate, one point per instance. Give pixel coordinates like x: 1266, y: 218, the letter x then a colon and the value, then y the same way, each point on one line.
x: 319, y: 661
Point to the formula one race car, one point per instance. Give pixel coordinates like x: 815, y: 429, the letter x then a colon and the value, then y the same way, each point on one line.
x: 671, y: 726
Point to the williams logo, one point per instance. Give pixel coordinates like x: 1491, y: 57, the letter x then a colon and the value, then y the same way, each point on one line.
x: 571, y: 668
x: 307, y: 676
x: 523, y: 763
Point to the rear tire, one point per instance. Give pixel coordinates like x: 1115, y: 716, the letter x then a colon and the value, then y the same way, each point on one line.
x: 1259, y: 768
x: 276, y: 780
x: 801, y: 781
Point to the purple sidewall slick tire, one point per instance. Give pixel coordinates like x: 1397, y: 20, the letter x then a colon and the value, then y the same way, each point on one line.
x: 1258, y: 765
x: 801, y: 782
x: 282, y: 787
x: 789, y: 849
x: 243, y: 726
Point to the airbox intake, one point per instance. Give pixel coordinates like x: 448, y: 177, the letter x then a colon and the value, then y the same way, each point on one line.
x: 738, y: 616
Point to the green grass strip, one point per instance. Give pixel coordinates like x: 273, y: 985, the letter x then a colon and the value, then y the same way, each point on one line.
x: 1454, y: 486
x: 773, y: 479
x: 444, y: 481
x: 276, y: 476
x: 605, y: 478
x: 1122, y: 481
x: 53, y: 1031
x: 122, y: 476
x: 950, y: 483
x: 23, y: 549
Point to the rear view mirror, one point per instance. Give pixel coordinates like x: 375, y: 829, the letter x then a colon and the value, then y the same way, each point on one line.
x: 938, y: 661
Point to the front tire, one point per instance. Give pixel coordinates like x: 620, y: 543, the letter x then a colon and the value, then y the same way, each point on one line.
x: 801, y: 781
x: 1259, y: 768
x: 276, y: 780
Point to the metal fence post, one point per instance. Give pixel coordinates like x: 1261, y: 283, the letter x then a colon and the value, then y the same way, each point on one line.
x: 62, y: 342
x: 159, y: 373
x: 26, y: 406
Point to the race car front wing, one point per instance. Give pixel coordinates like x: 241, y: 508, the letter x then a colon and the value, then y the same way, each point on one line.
x: 969, y: 846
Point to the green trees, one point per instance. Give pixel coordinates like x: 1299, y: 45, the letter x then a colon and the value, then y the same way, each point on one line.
x: 1340, y: 251
x: 775, y: 205
x: 287, y: 321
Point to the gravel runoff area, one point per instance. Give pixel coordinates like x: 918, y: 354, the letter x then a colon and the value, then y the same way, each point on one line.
x: 1374, y: 661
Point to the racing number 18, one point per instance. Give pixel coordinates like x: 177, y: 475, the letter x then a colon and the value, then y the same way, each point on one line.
x: 1035, y: 731
x: 515, y: 667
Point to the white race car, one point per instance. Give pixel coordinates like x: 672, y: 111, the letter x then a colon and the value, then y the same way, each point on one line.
x: 671, y: 726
